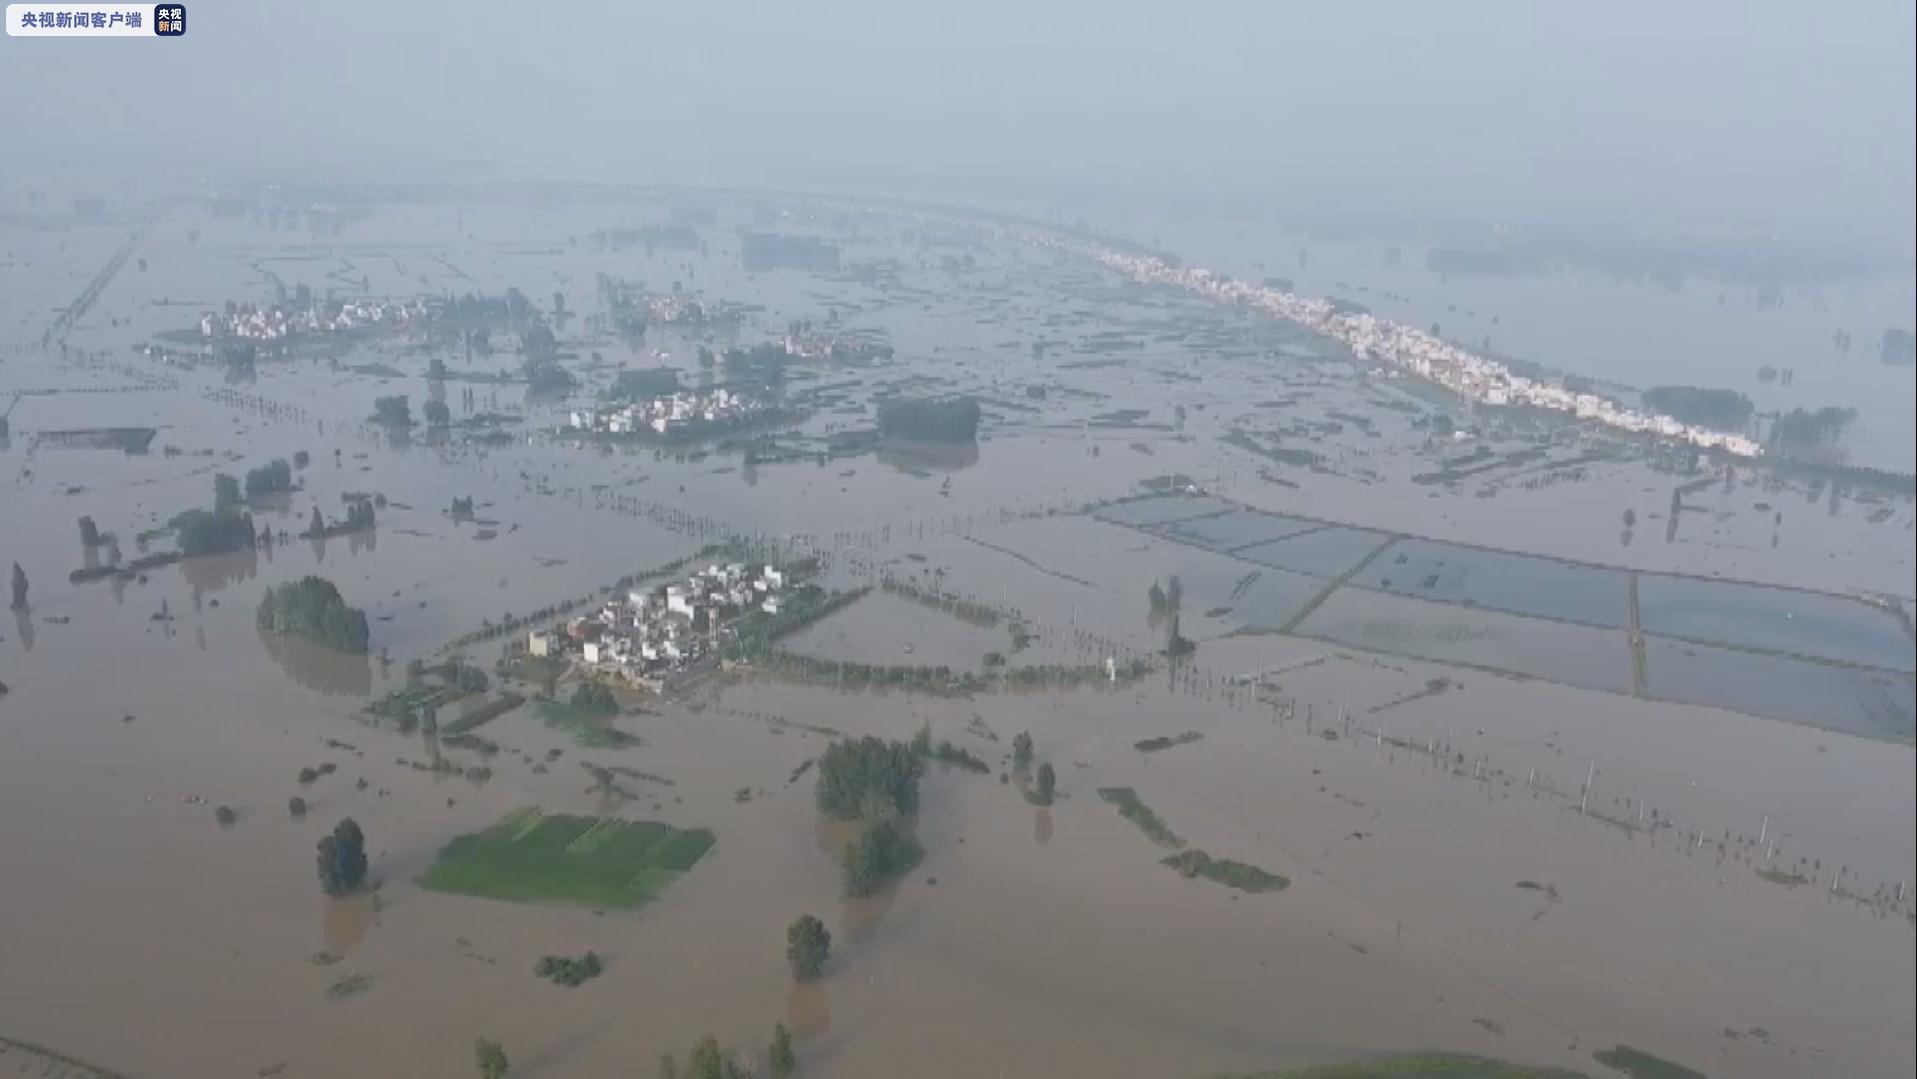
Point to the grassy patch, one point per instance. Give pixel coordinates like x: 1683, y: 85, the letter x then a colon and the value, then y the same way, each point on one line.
x: 1639, y: 1064
x: 1422, y: 1065
x: 587, y: 727
x: 1140, y: 814
x: 529, y: 857
x: 1245, y: 878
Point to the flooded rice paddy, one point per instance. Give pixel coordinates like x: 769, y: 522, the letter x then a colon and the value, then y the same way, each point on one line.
x: 1410, y: 742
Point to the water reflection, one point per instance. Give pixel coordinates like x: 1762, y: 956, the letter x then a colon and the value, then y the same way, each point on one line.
x: 806, y: 1011
x: 1042, y: 826
x: 344, y: 921
x: 319, y: 668
x: 23, y: 626
x: 910, y: 457
x: 212, y: 573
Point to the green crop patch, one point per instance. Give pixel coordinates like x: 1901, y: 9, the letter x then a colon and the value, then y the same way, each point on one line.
x: 531, y: 857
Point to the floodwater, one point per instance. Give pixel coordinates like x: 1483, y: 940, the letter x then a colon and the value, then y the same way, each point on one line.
x: 1029, y: 942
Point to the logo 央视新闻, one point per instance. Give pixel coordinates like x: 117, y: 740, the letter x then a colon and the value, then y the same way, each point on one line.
x: 169, y: 20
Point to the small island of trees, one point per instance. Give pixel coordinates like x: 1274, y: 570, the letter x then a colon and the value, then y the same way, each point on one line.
x: 928, y: 419
x: 342, y: 858
x: 311, y: 608
x: 876, y: 783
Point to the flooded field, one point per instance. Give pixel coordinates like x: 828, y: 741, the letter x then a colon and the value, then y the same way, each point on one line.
x: 1522, y: 767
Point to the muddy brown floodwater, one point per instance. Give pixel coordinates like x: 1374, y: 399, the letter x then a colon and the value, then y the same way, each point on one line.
x: 1498, y: 838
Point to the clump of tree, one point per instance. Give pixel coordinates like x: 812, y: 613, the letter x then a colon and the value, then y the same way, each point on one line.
x: 1044, y: 785
x: 311, y: 608
x: 1720, y: 410
x: 465, y: 676
x: 645, y: 383
x: 882, y: 851
x: 780, y: 1055
x: 808, y: 944
x: 226, y: 492
x: 929, y: 419
x: 437, y: 414
x: 1799, y: 431
x: 342, y: 858
x: 763, y: 363
x: 462, y: 507
x: 296, y: 807
x: 490, y: 1058
x: 225, y: 816
x: 359, y: 517
x: 1022, y: 749
x: 201, y: 533
x: 567, y: 971
x: 1166, y: 599
x: 595, y: 698
x: 268, y: 479
x: 850, y: 769
x: 394, y: 411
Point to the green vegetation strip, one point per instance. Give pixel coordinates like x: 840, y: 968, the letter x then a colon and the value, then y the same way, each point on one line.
x: 1422, y: 1065
x: 1245, y: 878
x: 589, y: 727
x: 484, y: 714
x: 1639, y: 1064
x: 530, y: 857
x: 1133, y: 809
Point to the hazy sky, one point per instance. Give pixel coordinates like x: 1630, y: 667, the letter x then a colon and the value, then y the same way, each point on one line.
x: 1757, y: 114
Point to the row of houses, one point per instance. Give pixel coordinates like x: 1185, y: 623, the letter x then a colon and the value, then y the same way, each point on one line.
x: 279, y: 323
x: 652, y: 633
x: 666, y: 415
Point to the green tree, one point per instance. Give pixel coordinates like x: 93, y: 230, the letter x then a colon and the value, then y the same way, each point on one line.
x: 490, y: 1056
x: 437, y: 414
x: 342, y: 858
x: 922, y: 741
x: 226, y: 492
x: 706, y: 1061
x: 808, y: 944
x: 784, y: 1060
x: 1022, y: 749
x: 1045, y: 785
x: 848, y: 769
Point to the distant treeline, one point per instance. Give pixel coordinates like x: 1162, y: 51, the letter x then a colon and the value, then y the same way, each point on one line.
x: 927, y: 419
x: 1799, y: 431
x: 1720, y: 410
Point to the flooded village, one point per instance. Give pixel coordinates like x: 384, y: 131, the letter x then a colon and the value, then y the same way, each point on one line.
x: 1237, y: 704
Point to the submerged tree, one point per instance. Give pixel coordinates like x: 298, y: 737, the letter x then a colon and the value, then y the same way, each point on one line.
x: 784, y: 1060
x: 342, y: 858
x: 226, y: 493
x: 808, y: 944
x: 1045, y: 785
x: 1022, y: 749
x: 19, y: 588
x: 490, y: 1057
x: 706, y: 1060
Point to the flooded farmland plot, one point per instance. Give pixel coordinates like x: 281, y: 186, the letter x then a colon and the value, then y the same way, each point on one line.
x: 1245, y: 730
